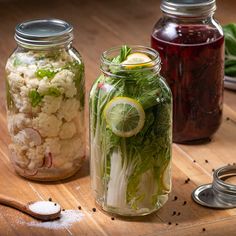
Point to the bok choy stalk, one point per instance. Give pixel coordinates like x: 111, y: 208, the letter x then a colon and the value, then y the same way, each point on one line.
x: 131, y: 174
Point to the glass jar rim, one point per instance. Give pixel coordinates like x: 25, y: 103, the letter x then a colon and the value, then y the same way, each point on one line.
x: 219, y: 183
x: 114, y: 51
x: 44, y: 33
x: 219, y: 194
x: 188, y: 8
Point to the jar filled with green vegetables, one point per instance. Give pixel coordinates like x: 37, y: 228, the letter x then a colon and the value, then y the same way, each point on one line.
x: 130, y: 132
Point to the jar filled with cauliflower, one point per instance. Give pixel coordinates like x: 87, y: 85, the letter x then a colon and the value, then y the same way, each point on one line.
x: 45, y: 101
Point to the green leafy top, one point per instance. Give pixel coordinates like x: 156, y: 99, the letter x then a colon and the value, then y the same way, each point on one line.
x: 35, y: 98
x: 124, y: 52
x: 41, y: 73
x: 230, y: 49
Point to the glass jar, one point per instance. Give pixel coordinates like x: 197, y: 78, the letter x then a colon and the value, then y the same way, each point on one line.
x: 45, y: 101
x: 191, y: 47
x: 130, y: 132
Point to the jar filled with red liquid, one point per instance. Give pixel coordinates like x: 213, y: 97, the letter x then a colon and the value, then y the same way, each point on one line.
x: 191, y: 45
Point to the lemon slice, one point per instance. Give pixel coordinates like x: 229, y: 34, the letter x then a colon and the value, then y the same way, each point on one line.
x: 137, y: 59
x: 125, y: 116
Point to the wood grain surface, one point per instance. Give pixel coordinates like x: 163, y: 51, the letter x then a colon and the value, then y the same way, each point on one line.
x: 99, y: 25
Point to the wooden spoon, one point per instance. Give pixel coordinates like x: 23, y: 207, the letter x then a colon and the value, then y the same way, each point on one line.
x: 41, y: 210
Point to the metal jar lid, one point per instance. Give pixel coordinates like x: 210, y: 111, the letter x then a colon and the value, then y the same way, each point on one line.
x: 219, y: 194
x: 44, y: 33
x: 188, y: 8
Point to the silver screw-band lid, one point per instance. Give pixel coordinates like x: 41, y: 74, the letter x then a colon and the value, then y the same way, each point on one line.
x: 220, y: 193
x: 44, y: 33
x: 188, y: 8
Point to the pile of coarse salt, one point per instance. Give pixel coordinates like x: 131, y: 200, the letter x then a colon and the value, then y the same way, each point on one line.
x: 67, y: 218
x: 45, y: 207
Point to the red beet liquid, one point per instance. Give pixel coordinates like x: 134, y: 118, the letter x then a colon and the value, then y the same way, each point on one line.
x: 193, y: 65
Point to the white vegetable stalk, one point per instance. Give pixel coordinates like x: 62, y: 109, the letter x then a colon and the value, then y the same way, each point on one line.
x: 117, y: 186
x: 96, y: 168
x: 147, y: 187
x: 119, y: 175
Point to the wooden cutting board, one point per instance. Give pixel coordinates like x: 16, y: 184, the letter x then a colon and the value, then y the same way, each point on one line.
x: 98, y: 26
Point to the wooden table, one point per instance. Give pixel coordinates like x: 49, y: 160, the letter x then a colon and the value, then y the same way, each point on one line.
x: 98, y: 26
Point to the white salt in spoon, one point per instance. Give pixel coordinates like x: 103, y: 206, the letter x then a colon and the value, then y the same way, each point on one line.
x: 41, y: 210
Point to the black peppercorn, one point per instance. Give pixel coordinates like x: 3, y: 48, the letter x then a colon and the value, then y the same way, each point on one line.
x: 94, y: 209
x: 175, y: 198
x: 187, y: 180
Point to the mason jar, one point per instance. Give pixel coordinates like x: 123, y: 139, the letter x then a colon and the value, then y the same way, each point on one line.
x: 130, y: 132
x: 45, y: 101
x: 191, y: 46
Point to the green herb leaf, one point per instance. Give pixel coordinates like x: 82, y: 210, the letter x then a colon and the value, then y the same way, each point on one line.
x: 78, y: 69
x: 17, y: 62
x: 41, y: 73
x: 35, y: 98
x: 10, y: 102
x: 124, y: 53
x: 230, y: 49
x: 52, y: 91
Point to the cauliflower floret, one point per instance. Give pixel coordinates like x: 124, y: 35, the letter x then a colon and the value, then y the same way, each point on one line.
x: 36, y: 157
x: 52, y: 145
x: 29, y: 137
x: 47, y: 125
x: 16, y: 81
x: 20, y: 138
x: 33, y: 84
x: 51, y: 104
x: 17, y: 155
x: 68, y: 130
x: 79, y: 123
x: 24, y: 91
x: 44, y: 86
x: 9, y: 66
x: 64, y: 81
x: 27, y: 70
x: 17, y: 122
x: 69, y: 109
x: 71, y: 149
x: 22, y: 103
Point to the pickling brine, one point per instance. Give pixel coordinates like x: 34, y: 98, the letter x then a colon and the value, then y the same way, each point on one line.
x: 45, y: 102
x: 130, y: 133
